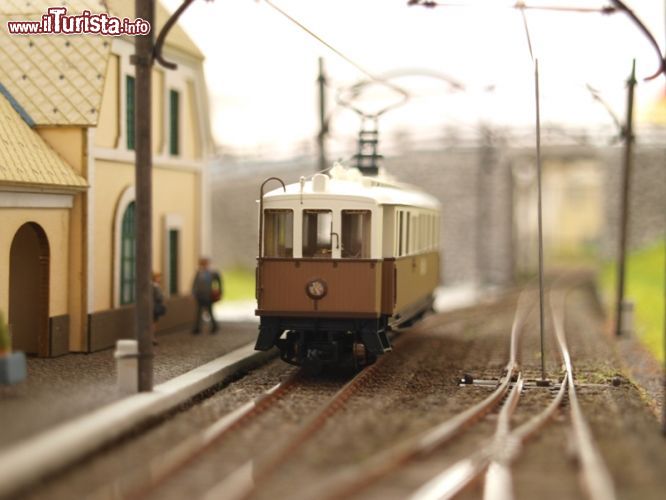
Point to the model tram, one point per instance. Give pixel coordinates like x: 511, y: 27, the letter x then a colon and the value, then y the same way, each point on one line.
x: 343, y: 258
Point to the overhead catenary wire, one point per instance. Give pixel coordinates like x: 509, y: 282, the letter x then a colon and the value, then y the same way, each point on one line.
x: 607, y: 9
x: 372, y: 77
x: 527, y: 34
x: 618, y: 6
x: 339, y: 53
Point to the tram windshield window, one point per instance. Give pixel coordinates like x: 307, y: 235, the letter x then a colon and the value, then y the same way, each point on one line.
x: 317, y: 227
x: 356, y: 234
x: 279, y: 233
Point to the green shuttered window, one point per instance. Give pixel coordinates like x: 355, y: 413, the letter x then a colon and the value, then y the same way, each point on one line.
x: 129, y: 88
x: 174, y: 119
x: 127, y: 257
x: 173, y: 262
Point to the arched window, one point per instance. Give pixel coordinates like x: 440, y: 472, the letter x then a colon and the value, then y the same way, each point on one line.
x: 127, y: 256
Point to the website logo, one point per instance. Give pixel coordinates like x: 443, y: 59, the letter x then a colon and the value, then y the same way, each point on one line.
x: 57, y: 22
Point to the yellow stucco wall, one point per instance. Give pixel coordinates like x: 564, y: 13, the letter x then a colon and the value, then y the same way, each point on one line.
x: 108, y: 127
x: 174, y: 192
x: 191, y: 135
x: 55, y: 223
x: 69, y: 142
x: 158, y: 110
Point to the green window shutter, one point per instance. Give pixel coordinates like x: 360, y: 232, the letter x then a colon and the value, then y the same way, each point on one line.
x: 173, y: 262
x: 128, y: 256
x: 129, y: 83
x: 174, y: 119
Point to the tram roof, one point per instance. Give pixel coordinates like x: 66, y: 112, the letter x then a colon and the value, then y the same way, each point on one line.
x: 348, y: 184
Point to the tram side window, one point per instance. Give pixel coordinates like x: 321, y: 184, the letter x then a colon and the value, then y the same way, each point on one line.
x: 279, y: 233
x: 407, y: 233
x: 317, y: 227
x: 356, y: 234
x: 400, y: 232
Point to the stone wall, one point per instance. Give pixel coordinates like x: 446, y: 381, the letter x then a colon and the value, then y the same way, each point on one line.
x: 475, y: 224
x: 647, y: 208
x: 235, y: 191
x: 476, y: 188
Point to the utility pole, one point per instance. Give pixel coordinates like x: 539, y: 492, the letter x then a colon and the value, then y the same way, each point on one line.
x: 663, y: 404
x: 626, y: 185
x: 323, y: 124
x: 143, y: 62
x: 543, y: 380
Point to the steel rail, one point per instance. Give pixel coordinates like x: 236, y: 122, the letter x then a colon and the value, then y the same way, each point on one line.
x: 242, y: 481
x: 597, y: 480
x: 162, y: 467
x: 498, y: 482
x: 495, y: 458
x: 240, y: 485
x: 355, y: 478
x: 455, y: 478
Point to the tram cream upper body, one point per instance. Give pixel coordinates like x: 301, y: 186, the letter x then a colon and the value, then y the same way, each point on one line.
x: 404, y: 221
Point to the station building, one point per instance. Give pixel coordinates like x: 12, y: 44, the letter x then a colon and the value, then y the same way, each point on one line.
x: 67, y: 243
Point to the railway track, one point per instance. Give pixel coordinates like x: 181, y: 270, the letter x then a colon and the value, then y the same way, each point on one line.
x: 162, y: 468
x: 241, y: 483
x: 352, y: 480
x: 247, y: 478
x: 595, y: 476
x: 493, y: 459
x: 525, y: 445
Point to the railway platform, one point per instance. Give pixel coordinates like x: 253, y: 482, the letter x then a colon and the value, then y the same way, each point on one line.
x: 59, y: 389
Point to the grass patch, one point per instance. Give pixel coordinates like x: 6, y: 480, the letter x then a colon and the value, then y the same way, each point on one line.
x: 645, y: 286
x: 238, y: 284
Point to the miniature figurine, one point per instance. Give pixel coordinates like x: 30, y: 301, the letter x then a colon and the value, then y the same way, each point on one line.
x: 207, y: 289
x: 159, y: 309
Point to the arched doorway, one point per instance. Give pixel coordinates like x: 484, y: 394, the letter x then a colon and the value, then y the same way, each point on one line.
x: 29, y: 290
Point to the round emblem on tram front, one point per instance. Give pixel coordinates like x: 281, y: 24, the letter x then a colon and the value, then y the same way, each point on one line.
x: 316, y: 289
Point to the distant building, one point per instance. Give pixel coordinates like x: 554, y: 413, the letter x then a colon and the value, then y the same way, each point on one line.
x: 67, y: 180
x: 655, y: 112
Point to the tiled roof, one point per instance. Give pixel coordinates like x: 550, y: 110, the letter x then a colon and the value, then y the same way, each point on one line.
x: 57, y: 79
x: 25, y: 159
